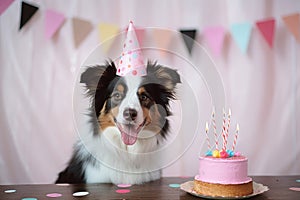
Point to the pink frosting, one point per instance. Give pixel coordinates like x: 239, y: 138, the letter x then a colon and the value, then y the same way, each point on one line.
x: 232, y: 170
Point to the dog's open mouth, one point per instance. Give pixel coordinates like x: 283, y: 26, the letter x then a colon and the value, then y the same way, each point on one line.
x: 129, y: 132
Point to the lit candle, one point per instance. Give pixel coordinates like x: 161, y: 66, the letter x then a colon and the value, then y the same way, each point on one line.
x: 207, y: 138
x: 235, y: 136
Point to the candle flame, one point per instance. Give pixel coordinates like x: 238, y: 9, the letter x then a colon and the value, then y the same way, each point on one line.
x: 206, y: 127
x: 229, y: 112
x: 237, y: 127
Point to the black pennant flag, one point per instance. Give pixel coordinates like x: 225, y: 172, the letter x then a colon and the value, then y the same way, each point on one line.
x: 189, y: 38
x: 27, y: 12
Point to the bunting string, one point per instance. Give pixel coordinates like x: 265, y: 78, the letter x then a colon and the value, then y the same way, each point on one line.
x: 213, y: 35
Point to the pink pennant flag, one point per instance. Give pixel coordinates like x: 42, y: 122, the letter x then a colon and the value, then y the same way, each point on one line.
x: 267, y: 29
x: 53, y: 22
x: 131, y: 62
x: 292, y: 23
x: 4, y: 4
x: 215, y: 37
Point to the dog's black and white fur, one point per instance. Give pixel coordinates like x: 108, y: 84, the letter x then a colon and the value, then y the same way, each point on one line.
x: 129, y: 118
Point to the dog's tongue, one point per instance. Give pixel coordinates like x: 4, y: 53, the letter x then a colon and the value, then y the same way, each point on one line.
x: 129, y: 135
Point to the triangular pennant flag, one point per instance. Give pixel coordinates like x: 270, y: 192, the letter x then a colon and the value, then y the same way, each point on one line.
x: 267, y: 29
x: 162, y: 38
x: 106, y: 31
x: 189, y: 38
x: 81, y: 29
x: 241, y: 34
x: 4, y: 4
x: 53, y: 21
x: 27, y: 11
x: 292, y: 22
x: 215, y: 38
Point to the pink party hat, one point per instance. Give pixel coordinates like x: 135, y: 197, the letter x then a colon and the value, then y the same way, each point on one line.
x: 131, y: 61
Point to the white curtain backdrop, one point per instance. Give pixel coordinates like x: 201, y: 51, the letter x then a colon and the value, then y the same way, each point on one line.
x: 38, y: 77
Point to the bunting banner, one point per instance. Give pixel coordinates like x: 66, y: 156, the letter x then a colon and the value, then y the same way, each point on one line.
x: 215, y: 37
x: 162, y: 38
x: 81, y: 29
x: 267, y: 29
x: 189, y: 38
x: 4, y: 4
x: 106, y: 31
x: 27, y: 11
x: 292, y: 23
x: 53, y: 21
x: 241, y: 34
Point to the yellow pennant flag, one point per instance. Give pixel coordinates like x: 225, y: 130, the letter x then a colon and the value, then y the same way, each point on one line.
x: 106, y: 32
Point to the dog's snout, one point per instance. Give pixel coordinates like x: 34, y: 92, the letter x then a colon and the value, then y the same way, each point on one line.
x: 130, y: 114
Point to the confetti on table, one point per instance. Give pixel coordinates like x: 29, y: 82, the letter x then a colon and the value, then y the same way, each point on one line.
x: 53, y: 195
x: 80, y: 194
x: 62, y: 184
x: 30, y: 198
x: 10, y: 191
x: 124, y: 185
x: 184, y: 177
x: 298, y: 181
x: 295, y: 189
x: 122, y: 191
x: 174, y: 185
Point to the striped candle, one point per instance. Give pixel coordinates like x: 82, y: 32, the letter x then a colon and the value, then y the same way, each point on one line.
x: 224, y: 130
x: 235, y: 137
x: 207, y: 138
x: 228, y: 125
x: 215, y: 129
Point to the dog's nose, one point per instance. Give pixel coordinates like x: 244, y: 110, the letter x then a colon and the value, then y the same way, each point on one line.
x: 130, y: 114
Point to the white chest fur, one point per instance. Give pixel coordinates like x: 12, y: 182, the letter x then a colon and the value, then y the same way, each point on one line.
x: 117, y: 163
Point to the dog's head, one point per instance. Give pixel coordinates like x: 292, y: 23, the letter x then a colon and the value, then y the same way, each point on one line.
x: 132, y: 104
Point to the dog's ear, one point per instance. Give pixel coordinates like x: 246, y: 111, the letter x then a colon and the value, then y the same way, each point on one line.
x: 97, y: 76
x: 167, y: 77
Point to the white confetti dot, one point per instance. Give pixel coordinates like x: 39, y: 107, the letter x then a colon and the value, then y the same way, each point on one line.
x: 80, y: 194
x: 10, y: 191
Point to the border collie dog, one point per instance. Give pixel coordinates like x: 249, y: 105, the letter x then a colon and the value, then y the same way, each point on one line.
x: 129, y: 118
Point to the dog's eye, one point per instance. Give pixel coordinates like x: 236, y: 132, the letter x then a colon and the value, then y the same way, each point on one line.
x: 117, y: 96
x: 143, y: 97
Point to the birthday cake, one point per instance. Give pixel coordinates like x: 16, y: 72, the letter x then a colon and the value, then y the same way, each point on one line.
x: 223, y: 173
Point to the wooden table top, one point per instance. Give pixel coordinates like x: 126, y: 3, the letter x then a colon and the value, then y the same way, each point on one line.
x: 279, y: 188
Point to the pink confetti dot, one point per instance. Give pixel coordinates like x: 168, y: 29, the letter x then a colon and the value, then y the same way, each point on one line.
x: 124, y: 185
x: 122, y: 191
x: 295, y: 189
x: 184, y: 177
x: 134, y: 72
x: 130, y: 41
x: 54, y: 195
